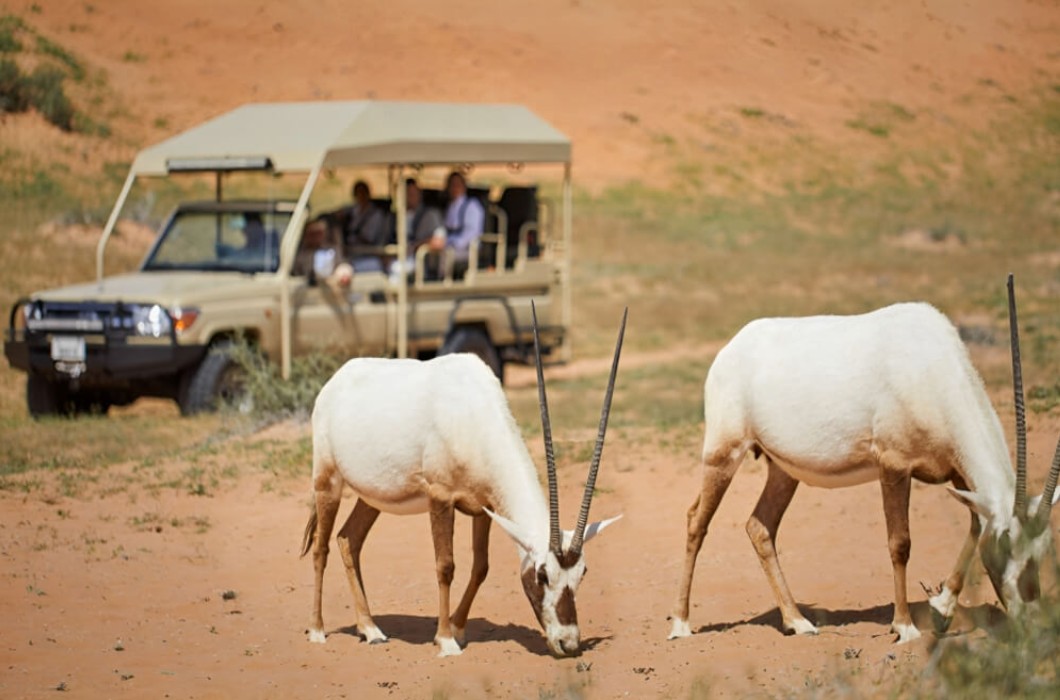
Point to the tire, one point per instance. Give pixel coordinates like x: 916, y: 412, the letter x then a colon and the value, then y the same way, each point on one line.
x: 47, y: 398
x: 217, y: 382
x: 474, y: 340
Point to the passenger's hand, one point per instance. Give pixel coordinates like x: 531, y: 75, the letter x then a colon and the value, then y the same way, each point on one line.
x: 438, y: 237
x: 343, y: 275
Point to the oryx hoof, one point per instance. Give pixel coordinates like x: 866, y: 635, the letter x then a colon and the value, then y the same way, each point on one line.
x: 447, y: 646
x: 906, y: 633
x: 801, y: 626
x: 679, y: 628
x: 374, y: 635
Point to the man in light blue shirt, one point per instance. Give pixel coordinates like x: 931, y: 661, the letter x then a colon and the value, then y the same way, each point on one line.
x: 465, y: 218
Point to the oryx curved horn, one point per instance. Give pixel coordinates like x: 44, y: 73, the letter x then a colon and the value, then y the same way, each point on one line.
x: 1050, y: 485
x: 1019, y: 507
x: 590, y: 482
x: 554, y: 538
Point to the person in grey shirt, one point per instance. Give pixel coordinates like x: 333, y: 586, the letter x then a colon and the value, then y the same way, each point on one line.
x: 365, y: 227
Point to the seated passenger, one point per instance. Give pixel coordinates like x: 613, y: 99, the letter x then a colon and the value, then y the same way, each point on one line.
x: 424, y: 222
x: 465, y: 221
x: 253, y: 233
x: 319, y: 256
x: 260, y: 247
x: 365, y: 227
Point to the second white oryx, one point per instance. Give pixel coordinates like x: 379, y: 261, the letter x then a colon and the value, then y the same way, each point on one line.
x: 887, y: 396
x: 436, y: 437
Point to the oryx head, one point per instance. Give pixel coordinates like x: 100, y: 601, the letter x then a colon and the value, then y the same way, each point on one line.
x: 1012, y: 550
x: 551, y: 574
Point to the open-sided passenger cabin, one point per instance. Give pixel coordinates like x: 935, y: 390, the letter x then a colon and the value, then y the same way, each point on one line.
x: 513, y: 228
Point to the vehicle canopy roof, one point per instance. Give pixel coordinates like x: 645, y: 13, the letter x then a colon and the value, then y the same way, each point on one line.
x: 300, y: 136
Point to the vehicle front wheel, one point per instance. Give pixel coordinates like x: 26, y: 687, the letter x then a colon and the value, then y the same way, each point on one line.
x: 475, y: 341
x: 47, y: 398
x: 217, y: 382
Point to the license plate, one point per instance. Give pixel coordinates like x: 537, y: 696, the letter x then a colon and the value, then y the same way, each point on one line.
x: 68, y: 348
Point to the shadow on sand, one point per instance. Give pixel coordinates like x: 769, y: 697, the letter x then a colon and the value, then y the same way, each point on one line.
x: 985, y: 616
x: 419, y: 629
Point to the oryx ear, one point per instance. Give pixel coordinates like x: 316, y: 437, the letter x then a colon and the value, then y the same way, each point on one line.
x: 594, y: 529
x: 970, y: 499
x: 1037, y: 500
x: 517, y: 533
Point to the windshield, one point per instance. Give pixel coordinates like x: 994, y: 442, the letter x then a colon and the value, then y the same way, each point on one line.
x: 240, y: 241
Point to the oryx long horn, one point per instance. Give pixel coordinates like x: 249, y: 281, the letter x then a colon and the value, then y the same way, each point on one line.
x: 554, y: 542
x: 1050, y: 485
x: 1019, y: 507
x: 590, y: 482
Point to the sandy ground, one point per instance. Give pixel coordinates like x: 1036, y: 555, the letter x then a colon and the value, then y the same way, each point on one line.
x: 167, y: 594
x: 622, y: 78
x: 103, y: 601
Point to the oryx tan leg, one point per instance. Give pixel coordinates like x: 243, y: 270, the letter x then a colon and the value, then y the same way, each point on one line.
x: 442, y: 516
x: 351, y: 540
x: 895, y: 484
x: 944, y: 603
x: 762, y: 529
x: 328, y: 493
x: 717, y: 475
x: 480, y: 540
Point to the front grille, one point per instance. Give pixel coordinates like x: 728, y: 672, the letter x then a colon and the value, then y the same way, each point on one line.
x: 112, y: 318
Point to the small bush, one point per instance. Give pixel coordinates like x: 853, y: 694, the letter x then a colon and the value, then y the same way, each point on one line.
x: 12, y: 95
x: 9, y: 27
x: 50, y: 48
x: 44, y: 90
x: 274, y: 397
x: 1023, y: 660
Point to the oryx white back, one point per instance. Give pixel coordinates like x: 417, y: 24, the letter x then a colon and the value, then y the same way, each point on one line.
x: 376, y: 417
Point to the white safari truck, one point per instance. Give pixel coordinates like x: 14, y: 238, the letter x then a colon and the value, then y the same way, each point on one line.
x: 167, y: 329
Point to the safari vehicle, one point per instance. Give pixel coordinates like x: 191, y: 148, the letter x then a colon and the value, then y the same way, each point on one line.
x: 168, y: 329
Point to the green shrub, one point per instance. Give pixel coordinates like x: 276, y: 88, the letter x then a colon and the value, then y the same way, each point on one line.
x: 1022, y: 660
x: 273, y: 397
x: 9, y: 26
x: 12, y: 95
x: 50, y: 48
x: 44, y: 88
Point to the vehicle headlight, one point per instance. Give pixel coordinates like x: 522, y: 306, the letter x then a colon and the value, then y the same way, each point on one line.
x: 151, y: 321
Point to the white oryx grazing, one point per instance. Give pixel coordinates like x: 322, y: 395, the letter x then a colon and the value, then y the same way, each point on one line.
x: 435, y: 437
x: 886, y: 396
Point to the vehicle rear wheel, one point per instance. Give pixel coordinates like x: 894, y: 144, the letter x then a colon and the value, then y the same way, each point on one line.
x: 217, y: 382
x: 475, y: 341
